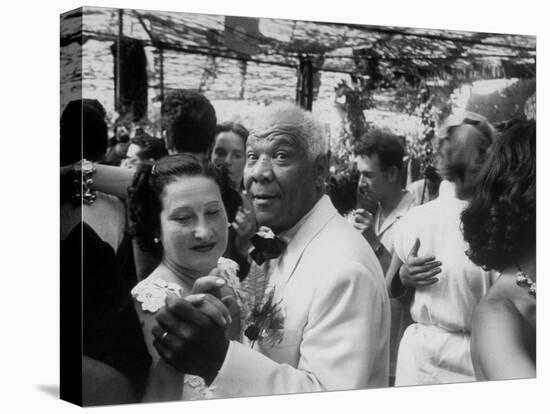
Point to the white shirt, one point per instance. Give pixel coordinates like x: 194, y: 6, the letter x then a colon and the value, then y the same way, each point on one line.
x: 436, y: 349
x: 384, y: 230
x: 449, y: 303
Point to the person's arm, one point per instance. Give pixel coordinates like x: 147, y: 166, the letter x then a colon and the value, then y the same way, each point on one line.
x: 223, y: 287
x: 242, y: 229
x: 363, y: 221
x: 393, y: 283
x: 112, y: 180
x: 166, y: 383
x: 205, y: 296
x: 498, y: 342
x: 104, y: 385
x: 341, y: 347
x: 414, y: 272
x: 236, y: 252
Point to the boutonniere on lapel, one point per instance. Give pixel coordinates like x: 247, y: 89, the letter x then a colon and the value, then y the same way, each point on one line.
x: 265, y: 318
x: 266, y: 321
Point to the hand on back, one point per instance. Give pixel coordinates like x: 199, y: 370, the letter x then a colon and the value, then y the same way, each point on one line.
x: 418, y: 271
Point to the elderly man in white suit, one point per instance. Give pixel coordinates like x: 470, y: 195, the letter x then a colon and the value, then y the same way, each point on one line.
x: 333, y: 309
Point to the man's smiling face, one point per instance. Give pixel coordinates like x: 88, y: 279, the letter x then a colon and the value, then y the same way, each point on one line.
x: 279, y: 176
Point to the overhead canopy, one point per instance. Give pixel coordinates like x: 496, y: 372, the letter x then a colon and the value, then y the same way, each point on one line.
x: 344, y: 48
x: 261, y: 60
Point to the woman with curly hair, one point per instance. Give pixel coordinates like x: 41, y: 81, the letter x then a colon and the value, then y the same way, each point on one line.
x: 143, y: 147
x: 500, y: 227
x: 177, y: 213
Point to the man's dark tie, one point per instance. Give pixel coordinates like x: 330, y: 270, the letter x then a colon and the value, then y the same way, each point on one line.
x: 266, y: 248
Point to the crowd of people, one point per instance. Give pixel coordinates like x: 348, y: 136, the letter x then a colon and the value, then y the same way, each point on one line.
x: 225, y: 262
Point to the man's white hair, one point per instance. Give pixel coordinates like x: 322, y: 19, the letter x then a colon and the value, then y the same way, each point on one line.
x: 298, y: 123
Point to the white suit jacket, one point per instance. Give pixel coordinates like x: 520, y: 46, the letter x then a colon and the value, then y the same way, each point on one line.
x: 336, y: 329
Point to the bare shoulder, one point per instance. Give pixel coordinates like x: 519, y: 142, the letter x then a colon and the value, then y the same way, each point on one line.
x: 506, y: 295
x: 507, y: 304
x: 495, y: 308
x: 504, y: 332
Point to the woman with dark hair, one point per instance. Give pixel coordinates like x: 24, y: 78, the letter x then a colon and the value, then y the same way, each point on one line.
x: 177, y: 213
x: 500, y: 227
x: 107, y: 345
x: 143, y: 147
x: 430, y: 264
x: 229, y: 152
x: 229, y: 149
x: 191, y: 121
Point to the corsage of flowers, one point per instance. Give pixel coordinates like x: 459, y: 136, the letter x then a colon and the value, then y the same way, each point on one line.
x: 265, y: 321
x: 265, y: 318
x: 152, y: 294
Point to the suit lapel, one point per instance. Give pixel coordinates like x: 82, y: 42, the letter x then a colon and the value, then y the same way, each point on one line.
x: 323, y: 212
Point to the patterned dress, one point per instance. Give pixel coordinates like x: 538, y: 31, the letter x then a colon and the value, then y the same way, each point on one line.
x: 166, y: 383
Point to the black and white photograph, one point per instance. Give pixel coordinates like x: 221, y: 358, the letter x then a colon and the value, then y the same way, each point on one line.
x: 266, y: 206
x: 335, y: 211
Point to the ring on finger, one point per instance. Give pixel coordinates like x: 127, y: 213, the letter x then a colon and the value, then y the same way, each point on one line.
x: 163, y: 337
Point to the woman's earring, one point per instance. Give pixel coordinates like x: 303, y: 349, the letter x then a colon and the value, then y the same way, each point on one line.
x: 156, y: 240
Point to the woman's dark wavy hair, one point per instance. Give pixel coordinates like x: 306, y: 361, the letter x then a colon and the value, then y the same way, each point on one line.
x: 151, y: 148
x: 500, y: 222
x: 145, y: 193
x: 83, y: 131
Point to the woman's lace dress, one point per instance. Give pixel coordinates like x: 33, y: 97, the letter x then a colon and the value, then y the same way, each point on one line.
x: 166, y: 383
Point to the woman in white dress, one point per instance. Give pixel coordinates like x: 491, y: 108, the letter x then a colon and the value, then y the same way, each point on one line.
x: 430, y: 263
x: 177, y: 212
